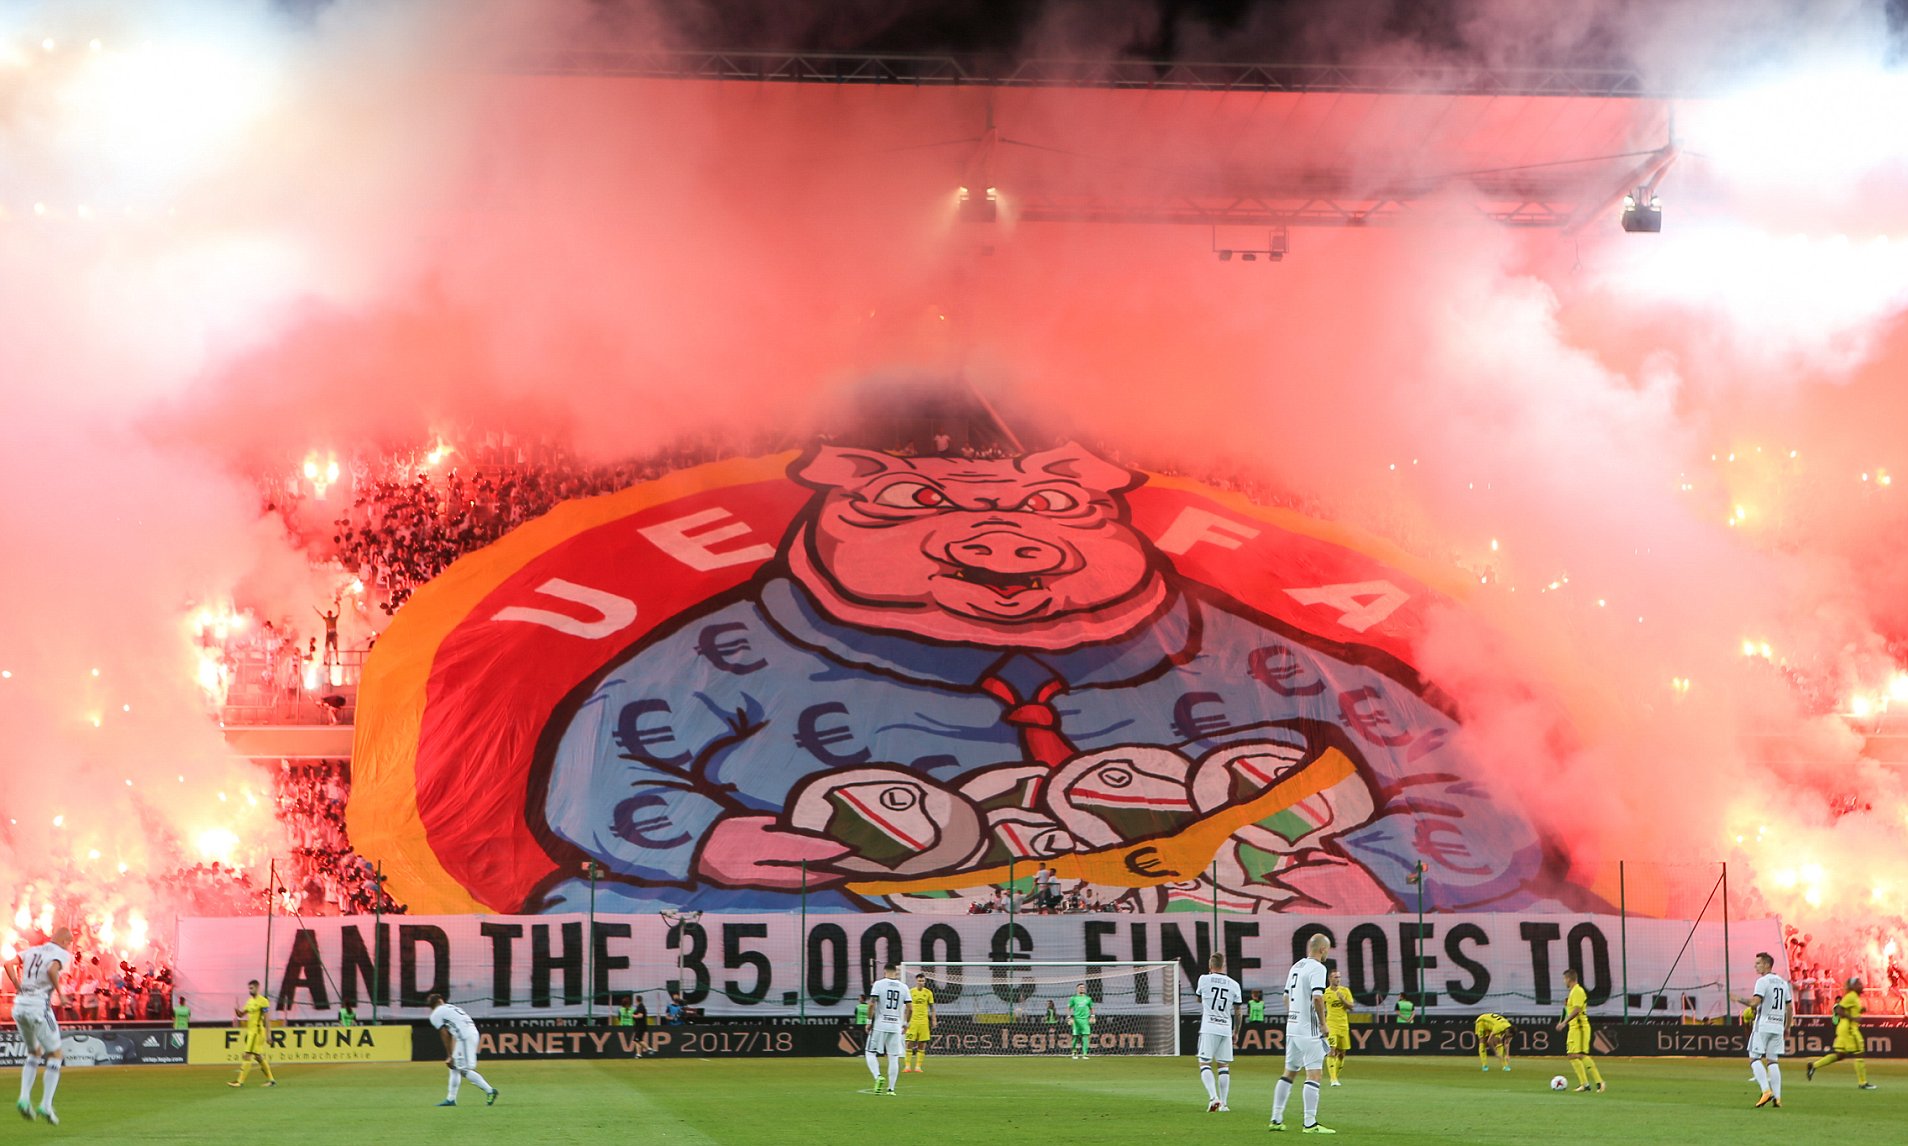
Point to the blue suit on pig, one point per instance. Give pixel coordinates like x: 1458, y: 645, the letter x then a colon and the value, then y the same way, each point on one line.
x: 953, y: 662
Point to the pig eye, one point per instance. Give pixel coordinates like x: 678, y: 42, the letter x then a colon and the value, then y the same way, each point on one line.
x: 1049, y: 501
x: 911, y: 495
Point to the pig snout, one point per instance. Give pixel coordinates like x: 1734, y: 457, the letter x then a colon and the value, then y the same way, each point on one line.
x: 1005, y: 552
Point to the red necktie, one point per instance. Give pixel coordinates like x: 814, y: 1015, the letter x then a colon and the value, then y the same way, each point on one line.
x: 1035, y: 720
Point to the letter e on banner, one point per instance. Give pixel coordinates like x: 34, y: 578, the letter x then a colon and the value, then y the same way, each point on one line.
x: 672, y: 537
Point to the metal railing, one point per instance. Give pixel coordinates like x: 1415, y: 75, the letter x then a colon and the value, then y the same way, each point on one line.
x: 983, y: 71
x: 267, y: 692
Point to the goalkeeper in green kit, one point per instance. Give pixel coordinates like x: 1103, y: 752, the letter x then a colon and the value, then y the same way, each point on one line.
x: 1081, y: 1008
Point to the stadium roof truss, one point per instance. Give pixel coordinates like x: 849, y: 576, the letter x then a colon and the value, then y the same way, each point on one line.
x: 1219, y: 144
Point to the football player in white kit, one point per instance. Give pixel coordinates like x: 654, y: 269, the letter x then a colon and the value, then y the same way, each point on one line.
x: 1775, y: 1011
x: 1304, y: 1034
x: 1219, y: 1001
x: 889, y: 1008
x: 35, y: 974
x: 460, y: 1049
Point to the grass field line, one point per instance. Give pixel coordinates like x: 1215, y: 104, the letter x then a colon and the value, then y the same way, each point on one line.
x: 1107, y: 1101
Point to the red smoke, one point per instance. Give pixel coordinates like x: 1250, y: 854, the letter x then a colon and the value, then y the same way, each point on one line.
x: 400, y: 238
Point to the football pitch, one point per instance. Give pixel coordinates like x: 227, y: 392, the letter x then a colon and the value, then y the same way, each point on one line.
x: 996, y: 1101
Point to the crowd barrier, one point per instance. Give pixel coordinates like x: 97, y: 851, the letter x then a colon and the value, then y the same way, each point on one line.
x: 823, y: 1038
x: 104, y: 1046
x: 520, y: 1040
x: 223, y: 1046
x: 1885, y: 1038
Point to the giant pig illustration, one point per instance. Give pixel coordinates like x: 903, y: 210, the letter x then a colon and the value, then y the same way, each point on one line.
x: 957, y: 669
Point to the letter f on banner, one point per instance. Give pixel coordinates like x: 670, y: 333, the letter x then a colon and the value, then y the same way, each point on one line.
x: 1195, y: 525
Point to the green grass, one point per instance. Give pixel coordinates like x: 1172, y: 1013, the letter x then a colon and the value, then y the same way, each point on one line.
x: 1053, y: 1102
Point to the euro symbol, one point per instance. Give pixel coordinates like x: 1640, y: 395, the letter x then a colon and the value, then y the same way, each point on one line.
x: 1433, y: 843
x: 1276, y: 667
x: 1428, y: 743
x: 1146, y: 861
x: 1364, y: 712
x: 816, y: 739
x: 627, y: 827
x: 722, y: 652
x: 1190, y: 724
x: 637, y: 740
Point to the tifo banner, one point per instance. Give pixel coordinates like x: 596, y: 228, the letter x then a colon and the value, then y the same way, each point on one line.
x: 212, y: 1046
x: 103, y: 1046
x: 530, y: 966
x: 898, y: 683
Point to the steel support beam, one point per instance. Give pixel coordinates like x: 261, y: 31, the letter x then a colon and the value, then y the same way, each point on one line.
x: 1278, y: 211
x: 1137, y: 75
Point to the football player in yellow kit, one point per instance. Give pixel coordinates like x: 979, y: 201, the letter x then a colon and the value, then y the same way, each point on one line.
x: 1848, y: 1036
x: 255, y: 1016
x: 1493, y: 1034
x: 920, y: 1026
x: 1576, y: 1028
x: 1338, y: 1008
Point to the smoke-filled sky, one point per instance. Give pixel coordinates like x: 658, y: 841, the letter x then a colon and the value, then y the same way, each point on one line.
x: 228, y: 237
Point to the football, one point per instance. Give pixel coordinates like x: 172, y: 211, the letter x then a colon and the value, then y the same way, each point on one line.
x: 1557, y: 1082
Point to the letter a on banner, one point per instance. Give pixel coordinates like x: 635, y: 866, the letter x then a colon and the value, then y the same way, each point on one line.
x: 1361, y: 605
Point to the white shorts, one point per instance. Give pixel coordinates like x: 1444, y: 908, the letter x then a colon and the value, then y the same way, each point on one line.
x: 1304, y: 1052
x: 1215, y: 1047
x: 890, y: 1043
x: 1765, y: 1044
x: 39, y: 1030
x: 464, y: 1053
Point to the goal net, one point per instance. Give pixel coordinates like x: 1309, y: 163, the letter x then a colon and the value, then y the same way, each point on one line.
x: 1023, y: 1008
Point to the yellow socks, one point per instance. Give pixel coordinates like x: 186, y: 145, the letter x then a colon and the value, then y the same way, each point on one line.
x: 267, y: 1068
x: 245, y: 1068
x: 1861, y: 1073
x: 1576, y: 1064
x: 1331, y: 1068
x: 1590, y: 1065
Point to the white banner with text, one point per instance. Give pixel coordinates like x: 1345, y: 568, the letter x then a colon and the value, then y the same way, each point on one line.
x: 527, y: 966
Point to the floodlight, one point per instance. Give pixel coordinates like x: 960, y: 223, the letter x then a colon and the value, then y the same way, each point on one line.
x: 1642, y: 212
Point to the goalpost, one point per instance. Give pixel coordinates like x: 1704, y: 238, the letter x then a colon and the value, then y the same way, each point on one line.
x: 1018, y: 1007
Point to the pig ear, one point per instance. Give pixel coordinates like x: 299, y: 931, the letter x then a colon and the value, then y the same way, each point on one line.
x: 1077, y: 463
x: 831, y: 466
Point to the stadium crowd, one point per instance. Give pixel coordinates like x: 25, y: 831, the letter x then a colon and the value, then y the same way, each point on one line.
x: 412, y: 514
x: 1045, y: 896
x: 100, y: 990
x: 324, y: 876
x: 1819, y: 975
